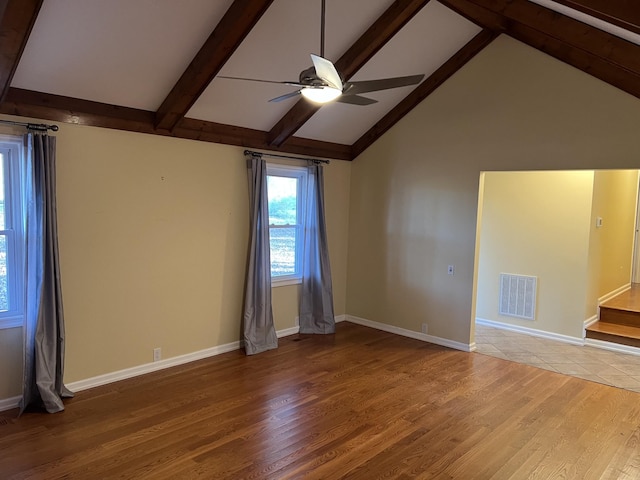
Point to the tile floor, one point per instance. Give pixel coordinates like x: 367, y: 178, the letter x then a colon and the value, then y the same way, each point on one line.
x: 610, y: 368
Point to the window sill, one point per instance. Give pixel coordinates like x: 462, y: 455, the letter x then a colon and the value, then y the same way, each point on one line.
x: 11, y: 322
x: 284, y: 283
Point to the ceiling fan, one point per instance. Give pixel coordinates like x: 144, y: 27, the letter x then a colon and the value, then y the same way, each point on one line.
x: 322, y: 83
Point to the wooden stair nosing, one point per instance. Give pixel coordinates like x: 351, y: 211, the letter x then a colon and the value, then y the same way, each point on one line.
x: 616, y: 333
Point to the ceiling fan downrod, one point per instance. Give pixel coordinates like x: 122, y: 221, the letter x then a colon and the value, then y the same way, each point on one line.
x: 322, y: 15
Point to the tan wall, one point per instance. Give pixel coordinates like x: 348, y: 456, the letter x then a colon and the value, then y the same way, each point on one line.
x: 10, y: 362
x: 414, y: 193
x: 611, y: 246
x: 413, y: 208
x: 537, y: 223
x: 153, y: 245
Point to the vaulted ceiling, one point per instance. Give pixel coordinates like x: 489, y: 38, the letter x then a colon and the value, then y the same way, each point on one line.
x: 156, y: 66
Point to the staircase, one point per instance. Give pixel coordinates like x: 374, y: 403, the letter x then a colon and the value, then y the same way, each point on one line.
x: 619, y: 319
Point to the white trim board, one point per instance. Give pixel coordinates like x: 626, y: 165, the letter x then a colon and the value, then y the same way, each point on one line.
x: 151, y: 367
x: 531, y: 331
x: 10, y: 403
x: 13, y: 402
x: 411, y: 334
x: 608, y: 296
x: 170, y: 362
x: 590, y: 321
x: 613, y: 347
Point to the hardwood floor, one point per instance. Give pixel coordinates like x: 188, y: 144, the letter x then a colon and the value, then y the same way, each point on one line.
x: 362, y: 404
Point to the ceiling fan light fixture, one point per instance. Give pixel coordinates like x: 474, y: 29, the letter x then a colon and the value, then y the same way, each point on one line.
x: 323, y: 94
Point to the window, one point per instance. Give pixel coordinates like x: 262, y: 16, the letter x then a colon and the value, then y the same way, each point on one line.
x: 11, y: 233
x: 285, y: 188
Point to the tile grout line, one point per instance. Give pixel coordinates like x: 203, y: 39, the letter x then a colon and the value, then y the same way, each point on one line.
x: 592, y: 365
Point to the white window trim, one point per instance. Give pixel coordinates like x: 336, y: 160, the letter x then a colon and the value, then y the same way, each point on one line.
x: 280, y: 170
x: 12, y: 150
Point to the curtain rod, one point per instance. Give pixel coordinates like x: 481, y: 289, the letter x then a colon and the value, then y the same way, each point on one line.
x: 273, y: 155
x: 42, y: 127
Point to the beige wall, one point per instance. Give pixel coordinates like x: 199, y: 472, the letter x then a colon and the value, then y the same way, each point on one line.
x: 611, y: 246
x: 10, y: 362
x: 153, y: 245
x: 414, y: 193
x: 537, y: 223
x: 153, y: 230
x: 544, y: 224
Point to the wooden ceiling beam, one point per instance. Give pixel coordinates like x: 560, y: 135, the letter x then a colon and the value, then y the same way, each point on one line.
x: 376, y: 36
x: 437, y: 78
x: 624, y: 14
x: 57, y: 108
x: 16, y: 21
x: 232, y: 29
x: 620, y: 77
x: 245, y: 137
x: 571, y: 32
x: 480, y: 16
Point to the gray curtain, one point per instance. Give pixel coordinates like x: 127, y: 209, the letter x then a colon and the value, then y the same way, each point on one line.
x: 316, y: 302
x: 44, y: 317
x: 258, y: 329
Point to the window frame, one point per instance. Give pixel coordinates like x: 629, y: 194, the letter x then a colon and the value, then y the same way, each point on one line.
x: 12, y: 150
x: 301, y: 174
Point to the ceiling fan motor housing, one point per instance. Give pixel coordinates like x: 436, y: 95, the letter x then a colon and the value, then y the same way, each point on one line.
x: 310, y: 77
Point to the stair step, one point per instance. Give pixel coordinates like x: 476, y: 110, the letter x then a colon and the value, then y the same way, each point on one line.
x: 620, y: 316
x: 616, y: 333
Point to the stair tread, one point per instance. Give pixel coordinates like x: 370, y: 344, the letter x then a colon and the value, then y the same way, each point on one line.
x: 615, y: 329
x: 628, y: 300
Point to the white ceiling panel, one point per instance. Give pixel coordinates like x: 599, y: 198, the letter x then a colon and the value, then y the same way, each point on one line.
x: 278, y: 48
x: 422, y: 46
x: 122, y: 52
x: 132, y: 52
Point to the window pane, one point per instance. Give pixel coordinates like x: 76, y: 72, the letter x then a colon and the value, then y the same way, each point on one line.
x: 283, y: 251
x: 2, y: 221
x: 4, y: 293
x: 282, y: 193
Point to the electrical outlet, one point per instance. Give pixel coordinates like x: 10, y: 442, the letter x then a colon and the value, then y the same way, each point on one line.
x: 157, y: 354
x: 425, y: 328
x: 451, y: 269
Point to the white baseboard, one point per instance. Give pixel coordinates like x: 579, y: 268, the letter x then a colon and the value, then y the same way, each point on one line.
x: 614, y: 347
x: 590, y: 321
x: 614, y: 293
x: 9, y: 403
x: 410, y: 333
x: 288, y: 331
x: 531, y: 331
x: 169, y: 362
x: 151, y: 367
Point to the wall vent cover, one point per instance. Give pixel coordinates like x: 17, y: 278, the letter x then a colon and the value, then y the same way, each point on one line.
x: 518, y: 295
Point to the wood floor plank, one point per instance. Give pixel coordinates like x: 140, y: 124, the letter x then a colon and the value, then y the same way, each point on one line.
x: 360, y: 404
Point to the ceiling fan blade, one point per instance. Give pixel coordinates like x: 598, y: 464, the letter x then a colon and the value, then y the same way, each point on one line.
x: 355, y: 100
x: 354, y: 88
x: 292, y: 84
x: 285, y: 96
x: 326, y: 71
